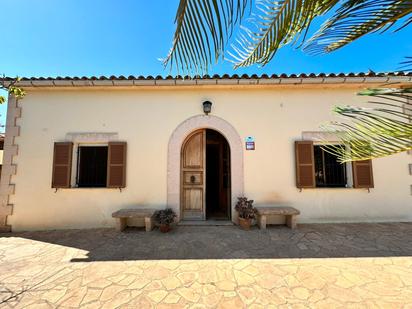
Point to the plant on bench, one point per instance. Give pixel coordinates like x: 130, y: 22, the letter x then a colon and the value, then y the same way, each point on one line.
x: 246, y: 212
x: 165, y: 217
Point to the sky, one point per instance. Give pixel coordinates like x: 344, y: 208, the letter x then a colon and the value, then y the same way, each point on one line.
x: 128, y: 37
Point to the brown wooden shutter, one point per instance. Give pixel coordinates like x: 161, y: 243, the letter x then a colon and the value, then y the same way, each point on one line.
x: 116, y: 165
x: 62, y: 165
x: 362, y: 174
x: 305, y: 164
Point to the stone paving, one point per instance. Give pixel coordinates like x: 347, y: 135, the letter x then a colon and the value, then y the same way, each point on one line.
x: 315, y: 266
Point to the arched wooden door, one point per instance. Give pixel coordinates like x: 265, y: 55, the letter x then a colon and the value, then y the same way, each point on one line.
x: 193, y: 167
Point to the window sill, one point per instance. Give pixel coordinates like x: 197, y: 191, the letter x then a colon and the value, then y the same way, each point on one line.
x: 91, y: 188
x: 339, y: 188
x: 334, y: 188
x: 88, y: 188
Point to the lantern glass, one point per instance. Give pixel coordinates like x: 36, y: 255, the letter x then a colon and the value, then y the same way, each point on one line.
x: 207, y: 107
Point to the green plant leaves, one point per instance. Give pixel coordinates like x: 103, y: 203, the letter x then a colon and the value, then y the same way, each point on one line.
x: 204, y: 27
x: 11, y: 87
x: 280, y: 22
x: 356, y: 18
x: 165, y: 216
x: 202, y: 30
x: 377, y: 131
x: 19, y: 93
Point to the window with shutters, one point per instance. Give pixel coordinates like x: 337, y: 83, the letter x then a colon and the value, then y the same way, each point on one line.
x: 329, y: 172
x: 62, y: 163
x: 316, y: 168
x: 92, y: 166
x: 89, y: 165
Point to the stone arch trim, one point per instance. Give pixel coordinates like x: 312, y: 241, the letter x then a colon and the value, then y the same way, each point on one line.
x: 176, y: 140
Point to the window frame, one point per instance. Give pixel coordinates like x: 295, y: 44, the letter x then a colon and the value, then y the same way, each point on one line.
x: 349, y: 169
x: 76, y: 164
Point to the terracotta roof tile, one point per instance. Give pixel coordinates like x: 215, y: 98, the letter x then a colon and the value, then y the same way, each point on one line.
x: 94, y: 80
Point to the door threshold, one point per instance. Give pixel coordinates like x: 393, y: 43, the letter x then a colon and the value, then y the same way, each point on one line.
x: 207, y: 222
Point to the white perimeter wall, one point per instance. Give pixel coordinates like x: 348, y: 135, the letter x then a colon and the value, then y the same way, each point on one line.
x: 145, y: 119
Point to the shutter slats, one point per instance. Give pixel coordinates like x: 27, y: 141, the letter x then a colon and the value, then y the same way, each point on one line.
x: 62, y: 163
x: 116, y: 165
x: 362, y: 174
x: 305, y: 164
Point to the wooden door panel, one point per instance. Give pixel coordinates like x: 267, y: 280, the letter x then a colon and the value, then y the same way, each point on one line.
x: 193, y: 176
x: 193, y: 151
x: 193, y: 198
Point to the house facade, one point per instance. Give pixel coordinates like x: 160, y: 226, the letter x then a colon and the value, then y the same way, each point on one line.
x: 79, y: 149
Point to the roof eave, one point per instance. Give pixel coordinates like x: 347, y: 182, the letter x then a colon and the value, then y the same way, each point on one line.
x: 384, y: 80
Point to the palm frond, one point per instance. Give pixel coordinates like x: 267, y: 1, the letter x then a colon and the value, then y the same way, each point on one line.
x: 279, y: 23
x: 374, y: 132
x: 202, y: 30
x: 356, y: 18
x: 406, y: 65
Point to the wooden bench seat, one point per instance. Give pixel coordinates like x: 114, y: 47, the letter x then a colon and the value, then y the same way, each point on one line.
x: 123, y: 214
x: 289, y: 212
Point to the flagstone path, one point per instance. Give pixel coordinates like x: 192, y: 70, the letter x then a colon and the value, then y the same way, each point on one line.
x: 315, y: 266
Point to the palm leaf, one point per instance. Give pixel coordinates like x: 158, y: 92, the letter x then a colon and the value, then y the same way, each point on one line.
x: 356, y: 18
x: 279, y: 23
x: 407, y: 64
x: 202, y: 30
x: 374, y: 132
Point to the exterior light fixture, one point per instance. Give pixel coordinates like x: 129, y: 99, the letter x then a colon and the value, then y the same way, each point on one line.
x: 207, y: 107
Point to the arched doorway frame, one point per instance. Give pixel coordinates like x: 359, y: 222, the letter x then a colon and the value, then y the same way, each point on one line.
x: 176, y: 140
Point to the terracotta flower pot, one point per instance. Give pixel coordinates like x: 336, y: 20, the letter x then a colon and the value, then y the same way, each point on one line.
x: 164, y: 228
x: 245, y: 223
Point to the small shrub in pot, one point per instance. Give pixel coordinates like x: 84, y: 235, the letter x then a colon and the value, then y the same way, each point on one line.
x: 246, y: 212
x: 165, y: 217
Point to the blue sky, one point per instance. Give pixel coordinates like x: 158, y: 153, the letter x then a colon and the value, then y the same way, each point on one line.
x: 127, y: 37
x: 124, y: 37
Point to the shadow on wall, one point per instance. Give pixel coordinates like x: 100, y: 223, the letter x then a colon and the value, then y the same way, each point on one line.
x: 273, y: 199
x: 230, y: 242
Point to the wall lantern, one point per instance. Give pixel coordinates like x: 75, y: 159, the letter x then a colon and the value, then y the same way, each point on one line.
x: 207, y: 107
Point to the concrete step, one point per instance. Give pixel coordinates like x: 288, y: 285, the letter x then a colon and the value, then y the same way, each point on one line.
x: 207, y: 222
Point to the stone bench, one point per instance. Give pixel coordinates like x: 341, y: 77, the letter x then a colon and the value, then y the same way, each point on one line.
x: 289, y: 212
x: 123, y: 214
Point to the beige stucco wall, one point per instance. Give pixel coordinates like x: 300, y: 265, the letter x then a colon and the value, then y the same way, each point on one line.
x: 146, y: 119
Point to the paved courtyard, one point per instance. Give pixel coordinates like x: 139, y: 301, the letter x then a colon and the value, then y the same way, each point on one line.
x: 315, y: 266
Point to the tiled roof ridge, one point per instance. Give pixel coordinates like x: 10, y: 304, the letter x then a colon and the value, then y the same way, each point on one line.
x: 217, y: 76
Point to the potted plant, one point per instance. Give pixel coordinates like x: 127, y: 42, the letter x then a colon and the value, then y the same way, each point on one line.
x: 165, y: 217
x: 246, y: 212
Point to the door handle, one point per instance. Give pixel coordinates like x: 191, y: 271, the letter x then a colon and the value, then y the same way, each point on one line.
x: 192, y: 179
